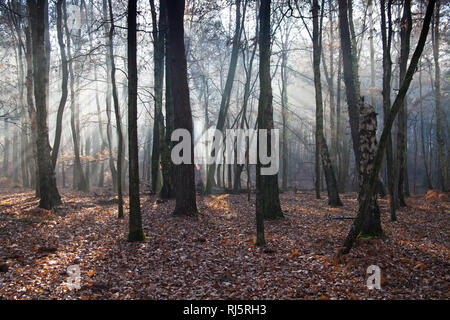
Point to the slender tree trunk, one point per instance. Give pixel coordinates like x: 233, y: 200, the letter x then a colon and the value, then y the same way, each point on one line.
x: 321, y: 144
x: 334, y: 141
x: 285, y: 46
x: 415, y: 156
x: 401, y: 174
x: 21, y: 86
x: 387, y: 71
x: 15, y: 153
x: 135, y: 232
x: 372, y: 52
x: 169, y: 191
x: 65, y: 76
x: 6, y: 148
x: 317, y: 162
x: 32, y: 156
x: 87, y: 153
x: 109, y: 138
x: 79, y: 180
x: 341, y: 140
x: 429, y: 185
x: 161, y: 151
x: 284, y: 117
x: 244, y: 123
x: 158, y: 70
x: 117, y: 113
x: 442, y: 171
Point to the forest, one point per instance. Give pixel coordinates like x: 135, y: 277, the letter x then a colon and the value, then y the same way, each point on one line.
x: 224, y: 149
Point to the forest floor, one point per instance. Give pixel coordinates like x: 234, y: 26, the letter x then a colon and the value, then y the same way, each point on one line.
x: 213, y: 257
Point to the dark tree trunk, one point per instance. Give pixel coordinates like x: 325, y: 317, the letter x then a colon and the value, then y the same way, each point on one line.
x: 47, y: 181
x: 161, y: 150
x: 349, y: 78
x: 135, y: 232
x: 442, y: 171
x: 401, y: 174
x: 184, y: 173
x: 109, y: 138
x: 387, y: 70
x: 169, y: 191
x: 32, y: 156
x: 158, y: 71
x: 267, y: 193
x: 429, y: 185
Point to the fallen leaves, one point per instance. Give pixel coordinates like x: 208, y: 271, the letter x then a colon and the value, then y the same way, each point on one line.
x: 214, y: 257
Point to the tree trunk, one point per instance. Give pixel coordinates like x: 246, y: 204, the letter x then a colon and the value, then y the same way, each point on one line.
x: 321, y: 144
x: 267, y: 193
x: 47, y: 181
x: 21, y: 87
x: 184, y: 173
x: 387, y: 71
x: 135, y: 232
x: 429, y: 185
x: 350, y: 78
x: 65, y: 76
x: 108, y: 99
x: 158, y: 71
x: 442, y: 171
x: 5, y: 167
x: 117, y: 113
x: 32, y: 156
x: 87, y: 153
x: 161, y: 151
x: 169, y: 191
x: 401, y: 174
x: 371, y: 226
x: 284, y: 117
x: 79, y: 180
